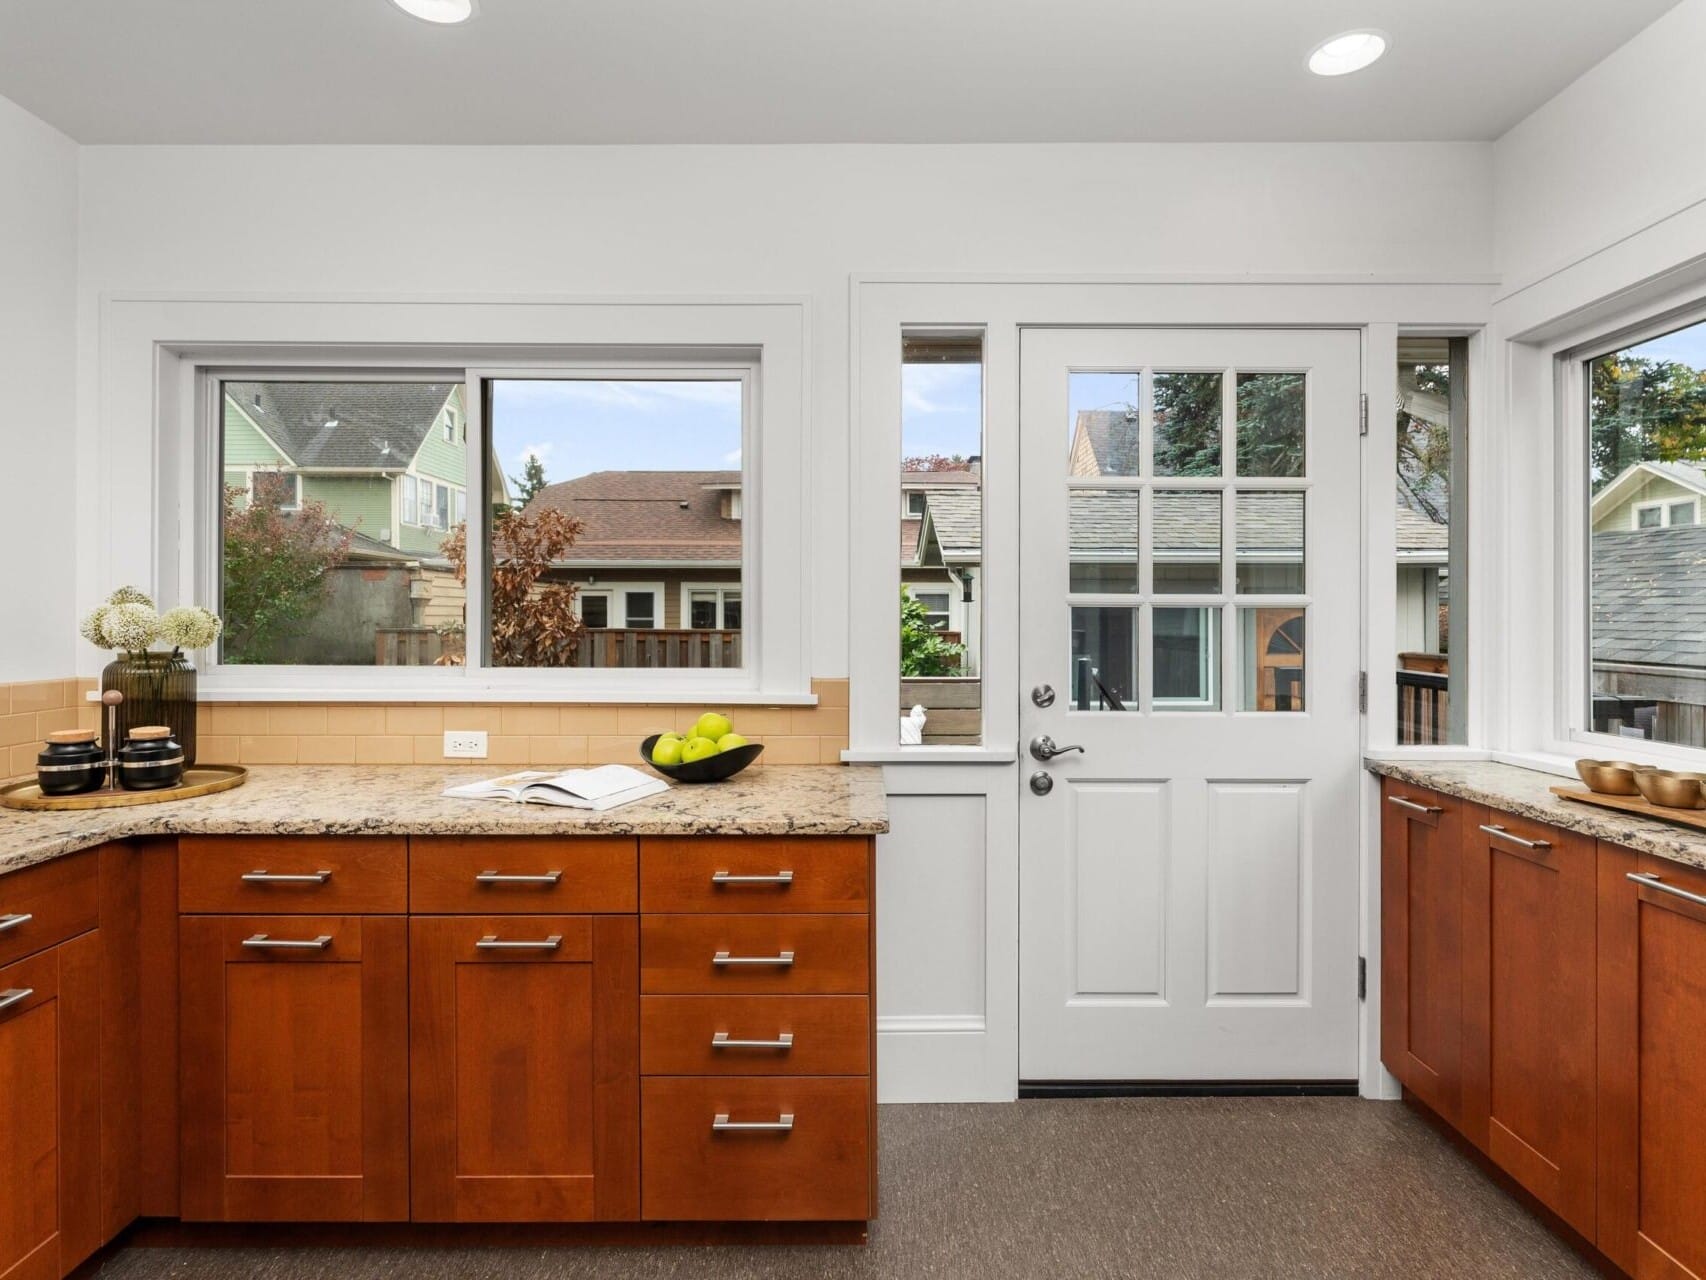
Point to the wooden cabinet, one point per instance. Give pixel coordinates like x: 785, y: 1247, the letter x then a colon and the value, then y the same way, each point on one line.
x: 1528, y: 1047
x: 294, y: 1066
x: 1421, y: 921
x: 1652, y: 1065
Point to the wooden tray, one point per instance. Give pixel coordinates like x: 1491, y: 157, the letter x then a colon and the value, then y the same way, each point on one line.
x: 1695, y: 818
x: 199, y: 780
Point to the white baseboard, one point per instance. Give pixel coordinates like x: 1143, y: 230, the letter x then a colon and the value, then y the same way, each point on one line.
x: 940, y: 1058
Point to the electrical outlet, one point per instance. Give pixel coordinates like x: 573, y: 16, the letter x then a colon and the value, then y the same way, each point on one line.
x: 465, y: 744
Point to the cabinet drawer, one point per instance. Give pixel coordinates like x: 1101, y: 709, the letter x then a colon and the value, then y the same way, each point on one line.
x: 802, y: 955
x: 526, y: 876
x: 47, y: 904
x: 755, y: 1035
x: 748, y: 876
x: 817, y: 1168
x: 318, y: 875
x: 1417, y: 804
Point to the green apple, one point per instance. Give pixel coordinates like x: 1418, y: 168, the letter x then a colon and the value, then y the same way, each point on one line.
x: 697, y: 749
x: 667, y: 751
x: 729, y: 741
x: 672, y: 736
x: 712, y: 725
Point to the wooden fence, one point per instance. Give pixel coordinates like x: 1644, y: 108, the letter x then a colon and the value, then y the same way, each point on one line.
x: 953, y: 705
x: 613, y: 647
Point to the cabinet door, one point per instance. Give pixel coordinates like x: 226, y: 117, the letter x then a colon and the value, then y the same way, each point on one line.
x: 294, y: 1068
x: 524, y: 1068
x: 1652, y: 1065
x: 1421, y: 909
x: 50, y: 1190
x: 1529, y: 1006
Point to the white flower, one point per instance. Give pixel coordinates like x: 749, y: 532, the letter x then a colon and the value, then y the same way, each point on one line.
x: 131, y: 595
x: 93, y: 627
x: 130, y: 628
x: 190, y: 627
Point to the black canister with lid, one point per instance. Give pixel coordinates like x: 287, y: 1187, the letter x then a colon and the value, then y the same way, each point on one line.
x: 71, y: 763
x: 151, y: 759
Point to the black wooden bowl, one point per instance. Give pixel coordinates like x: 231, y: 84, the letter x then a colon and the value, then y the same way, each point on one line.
x: 725, y: 764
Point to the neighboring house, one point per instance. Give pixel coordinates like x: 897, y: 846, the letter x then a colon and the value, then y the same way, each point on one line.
x: 941, y: 550
x: 1651, y: 495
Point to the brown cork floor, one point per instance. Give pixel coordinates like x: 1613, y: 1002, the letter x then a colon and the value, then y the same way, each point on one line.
x: 1169, y: 1188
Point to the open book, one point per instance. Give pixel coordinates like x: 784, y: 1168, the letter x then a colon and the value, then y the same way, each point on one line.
x: 602, y: 788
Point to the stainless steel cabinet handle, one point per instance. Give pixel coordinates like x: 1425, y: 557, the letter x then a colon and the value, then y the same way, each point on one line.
x: 498, y: 877
x: 781, y: 1124
x: 261, y: 942
x: 1494, y: 829
x: 17, y: 995
x: 280, y: 877
x: 724, y: 958
x: 1653, y: 882
x: 1413, y: 806
x: 13, y: 921
x: 721, y: 1041
x: 724, y: 877
x: 491, y: 942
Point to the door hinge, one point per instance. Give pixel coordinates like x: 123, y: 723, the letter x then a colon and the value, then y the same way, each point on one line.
x: 1364, y: 430
x: 1362, y: 977
x: 1362, y: 692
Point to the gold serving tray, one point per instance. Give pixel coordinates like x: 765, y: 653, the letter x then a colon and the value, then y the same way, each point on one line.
x: 1695, y: 818
x: 199, y: 780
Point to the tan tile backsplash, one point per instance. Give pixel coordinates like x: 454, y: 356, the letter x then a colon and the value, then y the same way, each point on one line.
x: 352, y: 733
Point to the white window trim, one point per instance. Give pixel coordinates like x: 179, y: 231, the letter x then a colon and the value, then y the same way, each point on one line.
x: 721, y: 588
x: 616, y: 591
x: 150, y: 367
x: 1664, y: 506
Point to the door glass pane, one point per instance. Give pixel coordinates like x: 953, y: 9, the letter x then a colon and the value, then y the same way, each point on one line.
x: 1271, y: 641
x: 1270, y: 543
x: 1105, y: 429
x: 1104, y: 540
x: 1104, y: 659
x: 1270, y: 424
x: 1186, y: 552
x: 1187, y: 424
x: 1185, y: 658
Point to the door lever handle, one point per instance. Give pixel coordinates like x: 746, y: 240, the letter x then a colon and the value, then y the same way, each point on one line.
x: 1043, y: 748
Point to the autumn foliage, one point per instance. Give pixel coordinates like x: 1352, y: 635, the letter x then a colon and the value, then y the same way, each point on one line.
x: 533, y: 622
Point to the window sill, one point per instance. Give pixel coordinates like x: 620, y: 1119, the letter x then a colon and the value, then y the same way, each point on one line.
x: 931, y: 755
x: 462, y: 692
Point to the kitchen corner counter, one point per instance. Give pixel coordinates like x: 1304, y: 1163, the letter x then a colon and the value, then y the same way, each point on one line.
x: 1527, y: 793
x: 308, y: 800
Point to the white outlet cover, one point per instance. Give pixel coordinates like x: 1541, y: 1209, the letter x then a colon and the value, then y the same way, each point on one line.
x: 465, y: 744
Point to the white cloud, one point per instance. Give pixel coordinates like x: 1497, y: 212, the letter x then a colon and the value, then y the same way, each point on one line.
x: 732, y: 457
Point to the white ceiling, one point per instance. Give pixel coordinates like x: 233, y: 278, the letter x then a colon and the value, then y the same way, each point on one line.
x: 692, y: 71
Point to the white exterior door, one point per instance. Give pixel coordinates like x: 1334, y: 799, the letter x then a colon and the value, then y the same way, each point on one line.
x: 1189, y: 574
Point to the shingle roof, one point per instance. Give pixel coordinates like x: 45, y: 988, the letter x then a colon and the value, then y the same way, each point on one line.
x: 1104, y: 443
x: 957, y: 514
x: 1417, y: 533
x: 649, y: 517
x: 1649, y: 596
x: 375, y: 425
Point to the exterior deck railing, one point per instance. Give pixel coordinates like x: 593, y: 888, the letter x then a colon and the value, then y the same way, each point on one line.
x: 595, y: 647
x: 1424, y: 712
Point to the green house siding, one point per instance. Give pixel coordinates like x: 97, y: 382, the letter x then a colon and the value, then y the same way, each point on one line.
x: 244, y: 446
x: 426, y: 542
x: 362, y: 503
x: 438, y: 457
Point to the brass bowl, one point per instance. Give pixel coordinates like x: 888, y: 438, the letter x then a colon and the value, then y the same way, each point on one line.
x: 1609, y: 777
x: 1670, y: 790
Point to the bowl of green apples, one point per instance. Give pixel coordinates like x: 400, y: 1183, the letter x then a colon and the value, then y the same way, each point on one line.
x: 710, y: 751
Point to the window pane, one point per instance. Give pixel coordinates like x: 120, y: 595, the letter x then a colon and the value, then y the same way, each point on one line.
x: 1270, y: 543
x: 1647, y: 457
x: 1185, y: 654
x: 1103, y: 526
x: 1272, y: 643
x: 1682, y: 513
x: 731, y: 612
x: 1186, y: 556
x: 595, y: 611
x: 941, y: 539
x: 702, y: 610
x: 1104, y: 659
x: 1187, y: 424
x: 315, y: 567
x: 630, y: 485
x: 1270, y: 424
x: 1104, y: 439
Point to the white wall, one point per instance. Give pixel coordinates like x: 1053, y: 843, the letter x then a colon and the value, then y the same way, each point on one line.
x: 38, y: 497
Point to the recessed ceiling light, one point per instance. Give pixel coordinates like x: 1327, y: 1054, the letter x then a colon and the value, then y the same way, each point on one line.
x: 1345, y: 53
x: 443, y: 12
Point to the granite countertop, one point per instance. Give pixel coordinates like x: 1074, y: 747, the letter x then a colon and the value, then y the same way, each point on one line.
x: 404, y: 800
x: 1527, y: 793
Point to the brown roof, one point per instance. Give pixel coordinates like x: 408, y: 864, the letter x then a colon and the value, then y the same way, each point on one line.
x: 648, y: 517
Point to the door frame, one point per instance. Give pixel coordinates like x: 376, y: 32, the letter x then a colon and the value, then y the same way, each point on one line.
x: 971, y: 1051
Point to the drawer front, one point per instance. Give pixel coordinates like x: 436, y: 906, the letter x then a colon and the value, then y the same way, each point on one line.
x: 748, y: 876
x: 818, y: 1169
x: 309, y: 875
x: 756, y: 955
x: 449, y: 875
x: 755, y: 1035
x: 46, y: 904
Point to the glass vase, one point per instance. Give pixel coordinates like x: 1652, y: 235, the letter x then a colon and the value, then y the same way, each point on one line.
x: 158, y: 688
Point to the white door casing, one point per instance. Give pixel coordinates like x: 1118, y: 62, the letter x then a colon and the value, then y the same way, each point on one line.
x: 1189, y: 886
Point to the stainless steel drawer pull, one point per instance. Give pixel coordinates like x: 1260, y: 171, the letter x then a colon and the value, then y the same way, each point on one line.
x: 8, y: 923
x: 261, y: 942
x: 1653, y: 882
x: 1494, y: 829
x: 721, y: 1041
x: 724, y: 958
x: 491, y: 942
x: 17, y: 995
x: 724, y: 877
x: 781, y: 1124
x: 1413, y: 806
x: 499, y: 877
x: 281, y: 877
